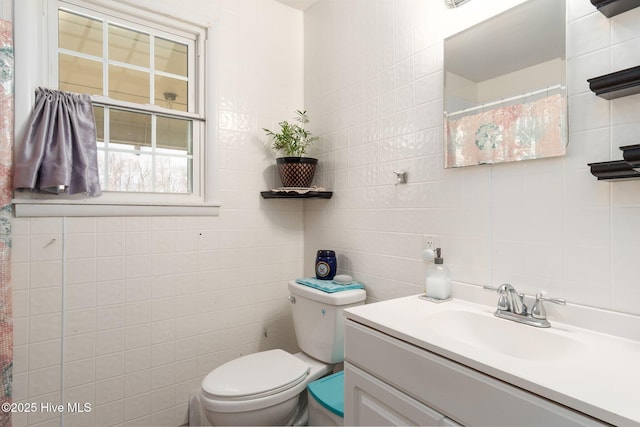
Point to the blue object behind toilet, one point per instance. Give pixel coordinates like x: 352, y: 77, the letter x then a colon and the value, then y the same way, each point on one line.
x: 329, y: 392
x: 328, y: 285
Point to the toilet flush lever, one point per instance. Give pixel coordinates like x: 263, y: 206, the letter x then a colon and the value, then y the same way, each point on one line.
x: 292, y: 299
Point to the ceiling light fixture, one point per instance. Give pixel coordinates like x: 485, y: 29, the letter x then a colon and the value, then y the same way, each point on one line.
x: 169, y: 97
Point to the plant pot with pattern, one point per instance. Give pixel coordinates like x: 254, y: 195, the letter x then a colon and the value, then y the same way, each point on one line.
x: 292, y: 141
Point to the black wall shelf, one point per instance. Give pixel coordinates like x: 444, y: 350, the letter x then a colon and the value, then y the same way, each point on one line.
x: 613, y: 171
x: 610, y: 8
x: 612, y: 86
x: 619, y: 170
x: 618, y: 84
x: 296, y: 195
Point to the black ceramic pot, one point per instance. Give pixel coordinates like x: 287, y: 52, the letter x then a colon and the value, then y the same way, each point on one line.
x: 296, y: 171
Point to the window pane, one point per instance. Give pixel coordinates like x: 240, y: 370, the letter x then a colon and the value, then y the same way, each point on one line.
x: 98, y: 112
x: 128, y: 46
x: 173, y: 174
x: 79, y: 75
x: 128, y: 172
x: 174, y: 134
x: 79, y: 33
x: 128, y: 85
x: 171, y: 93
x: 170, y: 57
x: 129, y: 128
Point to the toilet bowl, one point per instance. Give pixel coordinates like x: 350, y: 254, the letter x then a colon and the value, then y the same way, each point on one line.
x: 260, y: 389
x: 269, y: 387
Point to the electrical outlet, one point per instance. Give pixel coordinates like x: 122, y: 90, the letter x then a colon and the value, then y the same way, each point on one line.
x: 430, y: 241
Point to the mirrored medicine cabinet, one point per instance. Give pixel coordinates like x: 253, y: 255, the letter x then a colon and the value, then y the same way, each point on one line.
x: 505, y: 87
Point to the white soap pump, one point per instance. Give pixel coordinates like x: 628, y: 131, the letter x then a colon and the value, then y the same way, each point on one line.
x: 438, y: 279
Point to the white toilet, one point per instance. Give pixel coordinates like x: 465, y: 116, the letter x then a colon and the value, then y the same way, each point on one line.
x: 269, y: 387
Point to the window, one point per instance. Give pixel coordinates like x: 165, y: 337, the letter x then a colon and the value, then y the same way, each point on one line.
x: 145, y: 74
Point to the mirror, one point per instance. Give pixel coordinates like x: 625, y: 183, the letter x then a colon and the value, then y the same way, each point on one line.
x: 505, y: 87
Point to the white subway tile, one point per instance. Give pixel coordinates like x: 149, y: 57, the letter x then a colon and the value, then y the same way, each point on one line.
x: 44, y: 327
x: 588, y: 34
x: 110, y: 224
x: 109, y: 341
x: 109, y: 317
x: 137, y: 359
x: 81, y: 321
x: 137, y: 336
x: 109, y: 414
x: 109, y: 366
x: 46, y: 380
x: 136, y: 383
x: 80, y: 296
x: 110, y: 244
x: 162, y: 398
x: 79, y: 372
x: 108, y: 293
x: 45, y: 354
x: 136, y: 407
x: 80, y: 270
x: 79, y: 347
x: 45, y: 247
x: 162, y: 377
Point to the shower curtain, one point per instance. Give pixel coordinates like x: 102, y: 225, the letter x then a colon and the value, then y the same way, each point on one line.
x: 528, y: 130
x: 6, y: 159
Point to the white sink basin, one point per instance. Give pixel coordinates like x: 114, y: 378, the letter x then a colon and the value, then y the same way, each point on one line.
x: 503, y: 336
x: 593, y: 372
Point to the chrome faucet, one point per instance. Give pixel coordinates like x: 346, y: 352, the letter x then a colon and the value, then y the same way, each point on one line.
x: 511, y: 306
x: 510, y: 300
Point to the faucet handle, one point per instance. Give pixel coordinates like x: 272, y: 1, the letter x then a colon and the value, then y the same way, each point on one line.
x: 501, y: 289
x: 538, y: 311
x: 503, y: 301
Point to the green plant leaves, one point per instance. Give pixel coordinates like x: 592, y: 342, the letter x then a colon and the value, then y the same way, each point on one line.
x: 293, y: 139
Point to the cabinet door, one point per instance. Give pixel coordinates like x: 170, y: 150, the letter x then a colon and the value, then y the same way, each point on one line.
x: 470, y: 397
x: 371, y: 402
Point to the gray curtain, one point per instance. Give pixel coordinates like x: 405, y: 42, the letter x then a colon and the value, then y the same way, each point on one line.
x: 58, y: 153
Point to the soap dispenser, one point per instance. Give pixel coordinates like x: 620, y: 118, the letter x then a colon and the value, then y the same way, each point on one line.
x: 438, y: 279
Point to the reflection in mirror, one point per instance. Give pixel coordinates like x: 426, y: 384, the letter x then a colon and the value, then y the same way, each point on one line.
x: 505, y: 87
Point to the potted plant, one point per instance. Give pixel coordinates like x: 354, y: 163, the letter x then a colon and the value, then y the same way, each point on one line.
x: 292, y: 141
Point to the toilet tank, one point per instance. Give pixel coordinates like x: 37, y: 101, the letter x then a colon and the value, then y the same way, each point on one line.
x: 319, y: 322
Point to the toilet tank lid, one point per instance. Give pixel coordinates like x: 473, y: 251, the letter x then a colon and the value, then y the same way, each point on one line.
x: 336, y: 298
x: 261, y: 373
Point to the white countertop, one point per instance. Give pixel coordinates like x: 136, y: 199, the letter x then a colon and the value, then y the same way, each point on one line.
x: 600, y: 376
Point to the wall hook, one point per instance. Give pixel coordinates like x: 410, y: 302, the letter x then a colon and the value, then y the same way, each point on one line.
x: 401, y: 177
x: 51, y: 242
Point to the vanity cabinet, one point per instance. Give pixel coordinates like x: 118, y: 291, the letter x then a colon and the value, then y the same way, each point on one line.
x: 375, y: 403
x: 391, y: 382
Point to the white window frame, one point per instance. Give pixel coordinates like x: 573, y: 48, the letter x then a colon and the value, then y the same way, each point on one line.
x: 35, y: 27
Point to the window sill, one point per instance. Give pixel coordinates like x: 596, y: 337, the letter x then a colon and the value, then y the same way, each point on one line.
x: 24, y: 208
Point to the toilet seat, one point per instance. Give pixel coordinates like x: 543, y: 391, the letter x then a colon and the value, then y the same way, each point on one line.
x: 254, y: 381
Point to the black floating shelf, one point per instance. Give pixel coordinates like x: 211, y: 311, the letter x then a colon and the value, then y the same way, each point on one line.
x: 611, y: 8
x: 618, y: 170
x: 616, y: 85
x: 631, y: 155
x: 296, y: 195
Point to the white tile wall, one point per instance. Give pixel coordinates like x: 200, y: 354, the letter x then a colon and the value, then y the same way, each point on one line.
x: 129, y: 314
x: 541, y: 225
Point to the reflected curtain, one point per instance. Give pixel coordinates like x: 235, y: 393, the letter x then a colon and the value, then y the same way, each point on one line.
x: 59, y: 152
x: 6, y: 158
x: 528, y: 130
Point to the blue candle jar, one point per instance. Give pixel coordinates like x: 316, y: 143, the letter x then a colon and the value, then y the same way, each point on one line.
x: 326, y: 264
